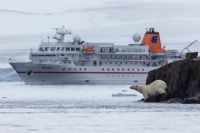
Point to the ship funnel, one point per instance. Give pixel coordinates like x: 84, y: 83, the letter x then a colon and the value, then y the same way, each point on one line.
x: 152, y: 39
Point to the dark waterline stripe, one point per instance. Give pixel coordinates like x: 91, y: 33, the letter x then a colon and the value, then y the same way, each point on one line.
x: 90, y: 72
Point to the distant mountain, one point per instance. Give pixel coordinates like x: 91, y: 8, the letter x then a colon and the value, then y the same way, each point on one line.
x: 8, y: 74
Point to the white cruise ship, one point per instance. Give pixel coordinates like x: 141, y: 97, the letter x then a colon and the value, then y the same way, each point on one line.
x: 79, y: 62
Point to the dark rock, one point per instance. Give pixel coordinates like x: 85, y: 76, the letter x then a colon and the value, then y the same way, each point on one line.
x: 191, y: 100
x: 191, y: 55
x: 175, y: 100
x: 182, y: 78
x: 156, y: 98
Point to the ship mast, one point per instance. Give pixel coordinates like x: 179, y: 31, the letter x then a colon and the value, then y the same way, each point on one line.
x: 60, y: 34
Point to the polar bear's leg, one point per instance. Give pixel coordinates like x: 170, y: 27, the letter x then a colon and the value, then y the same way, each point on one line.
x: 161, y: 91
x: 145, y: 94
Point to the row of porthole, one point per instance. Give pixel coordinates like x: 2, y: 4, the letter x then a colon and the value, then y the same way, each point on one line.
x: 76, y: 69
x: 103, y: 69
x: 118, y: 69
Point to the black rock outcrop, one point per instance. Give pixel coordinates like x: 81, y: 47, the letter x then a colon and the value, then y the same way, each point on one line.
x: 183, y: 81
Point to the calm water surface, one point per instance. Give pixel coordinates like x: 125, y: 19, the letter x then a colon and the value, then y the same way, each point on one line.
x: 85, y: 109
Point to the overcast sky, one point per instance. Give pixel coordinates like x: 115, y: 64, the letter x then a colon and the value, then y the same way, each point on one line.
x: 36, y: 16
x: 103, y: 20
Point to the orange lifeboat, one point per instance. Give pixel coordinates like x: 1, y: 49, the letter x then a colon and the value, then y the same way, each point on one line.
x: 88, y: 49
x: 152, y: 39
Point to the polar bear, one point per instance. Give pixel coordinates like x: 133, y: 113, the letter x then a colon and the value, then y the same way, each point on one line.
x: 156, y: 87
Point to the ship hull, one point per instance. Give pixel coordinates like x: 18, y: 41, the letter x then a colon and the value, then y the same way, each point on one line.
x: 52, y: 74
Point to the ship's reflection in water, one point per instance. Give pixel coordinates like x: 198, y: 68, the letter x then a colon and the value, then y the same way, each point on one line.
x: 25, y: 109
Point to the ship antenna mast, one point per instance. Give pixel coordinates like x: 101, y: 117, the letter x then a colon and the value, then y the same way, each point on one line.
x: 60, y: 34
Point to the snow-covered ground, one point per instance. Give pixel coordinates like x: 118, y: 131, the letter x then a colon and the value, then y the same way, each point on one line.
x: 85, y: 109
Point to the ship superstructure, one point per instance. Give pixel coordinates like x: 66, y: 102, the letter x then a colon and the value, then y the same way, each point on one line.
x: 80, y: 62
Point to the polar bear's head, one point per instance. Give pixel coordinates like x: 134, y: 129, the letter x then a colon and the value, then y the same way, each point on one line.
x: 136, y: 87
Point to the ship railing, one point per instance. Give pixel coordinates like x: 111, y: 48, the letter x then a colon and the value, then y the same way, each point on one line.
x: 17, y: 59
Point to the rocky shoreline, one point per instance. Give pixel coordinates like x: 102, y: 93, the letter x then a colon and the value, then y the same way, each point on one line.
x: 183, y: 81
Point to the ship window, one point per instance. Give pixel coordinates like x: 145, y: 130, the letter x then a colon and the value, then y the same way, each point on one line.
x: 118, y: 69
x: 138, y: 69
x: 41, y: 49
x: 67, y: 49
x: 46, y: 48
x: 80, y: 69
x: 122, y: 69
x: 53, y: 48
x: 62, y: 55
x: 133, y: 69
x: 72, y: 49
x: 77, y: 49
x: 75, y: 69
x: 108, y: 69
x: 62, y: 49
x: 85, y: 69
x: 113, y: 69
x: 128, y: 69
x: 58, y: 49
x: 69, y: 68
x: 143, y: 69
x: 102, y: 69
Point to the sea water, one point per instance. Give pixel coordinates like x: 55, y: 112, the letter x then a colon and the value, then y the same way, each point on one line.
x: 89, y: 109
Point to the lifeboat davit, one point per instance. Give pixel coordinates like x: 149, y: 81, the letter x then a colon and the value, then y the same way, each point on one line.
x: 88, y: 49
x: 152, y: 39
